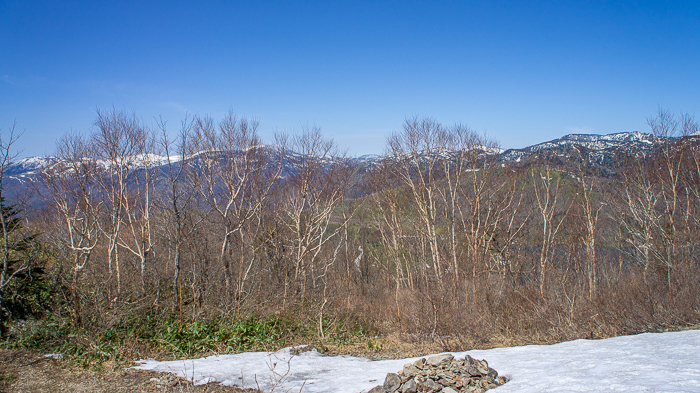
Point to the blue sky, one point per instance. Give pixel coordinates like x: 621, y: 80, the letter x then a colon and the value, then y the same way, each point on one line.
x: 521, y: 71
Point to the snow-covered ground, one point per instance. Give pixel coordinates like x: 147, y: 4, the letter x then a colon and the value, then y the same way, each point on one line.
x: 650, y: 362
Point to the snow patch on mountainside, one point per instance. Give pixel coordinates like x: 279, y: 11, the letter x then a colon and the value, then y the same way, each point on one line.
x: 598, y: 145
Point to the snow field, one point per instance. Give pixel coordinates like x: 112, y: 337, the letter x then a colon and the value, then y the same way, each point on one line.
x: 649, y: 362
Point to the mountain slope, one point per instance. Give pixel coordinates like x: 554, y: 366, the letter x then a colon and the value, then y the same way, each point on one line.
x: 600, y: 147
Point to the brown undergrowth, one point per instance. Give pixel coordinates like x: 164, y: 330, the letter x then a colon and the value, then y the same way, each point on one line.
x: 25, y: 371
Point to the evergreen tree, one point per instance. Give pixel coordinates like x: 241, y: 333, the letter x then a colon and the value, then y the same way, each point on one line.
x: 19, y: 254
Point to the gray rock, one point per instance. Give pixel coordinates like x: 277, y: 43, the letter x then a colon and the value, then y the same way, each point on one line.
x: 419, y: 363
x: 473, y: 371
x: 446, y: 382
x: 442, y: 374
x: 493, y: 374
x: 377, y: 389
x: 409, y: 387
x: 440, y: 359
x: 429, y: 385
x: 392, y: 382
x: 410, y: 370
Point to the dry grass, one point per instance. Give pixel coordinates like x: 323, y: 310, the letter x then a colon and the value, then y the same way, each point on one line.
x: 24, y: 371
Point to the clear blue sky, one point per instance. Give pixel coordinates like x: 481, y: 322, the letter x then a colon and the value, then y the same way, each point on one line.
x: 521, y: 71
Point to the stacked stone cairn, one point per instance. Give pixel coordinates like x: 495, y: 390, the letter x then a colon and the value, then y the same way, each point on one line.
x: 442, y: 373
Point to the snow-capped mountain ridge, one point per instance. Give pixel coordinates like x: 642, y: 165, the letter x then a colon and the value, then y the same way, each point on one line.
x: 600, y: 146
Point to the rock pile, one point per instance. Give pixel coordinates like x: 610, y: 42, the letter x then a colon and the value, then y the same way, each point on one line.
x: 442, y: 373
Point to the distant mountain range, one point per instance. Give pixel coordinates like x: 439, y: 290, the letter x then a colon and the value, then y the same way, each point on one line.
x: 598, y: 146
x: 600, y: 149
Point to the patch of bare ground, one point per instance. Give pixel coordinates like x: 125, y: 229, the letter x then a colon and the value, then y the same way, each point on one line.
x: 24, y: 371
x: 396, y: 346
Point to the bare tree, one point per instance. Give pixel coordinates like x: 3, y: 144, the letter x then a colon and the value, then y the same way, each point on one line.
x: 137, y: 203
x: 117, y: 141
x: 234, y: 179
x: 388, y: 200
x: 637, y: 209
x: 418, y: 151
x: 73, y: 187
x: 176, y: 197
x: 691, y: 141
x: 461, y: 145
x: 476, y: 199
x: 657, y: 201
x: 318, y: 186
x: 591, y: 206
x: 548, y: 193
x: 669, y: 172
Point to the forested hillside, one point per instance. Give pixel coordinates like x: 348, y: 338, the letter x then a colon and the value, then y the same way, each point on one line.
x: 132, y: 240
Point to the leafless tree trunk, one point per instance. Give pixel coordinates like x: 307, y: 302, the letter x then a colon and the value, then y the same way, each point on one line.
x: 136, y: 236
x: 639, y: 203
x: 691, y: 136
x: 464, y: 148
x: 234, y: 179
x: 654, y: 196
x: 479, y: 200
x: 417, y: 152
x: 546, y: 184
x: 670, y: 157
x: 116, y: 141
x: 388, y: 200
x: 591, y: 205
x: 176, y: 198
x: 73, y: 186
x: 319, y: 185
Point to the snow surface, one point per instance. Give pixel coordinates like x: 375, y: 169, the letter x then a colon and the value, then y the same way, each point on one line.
x: 649, y: 362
